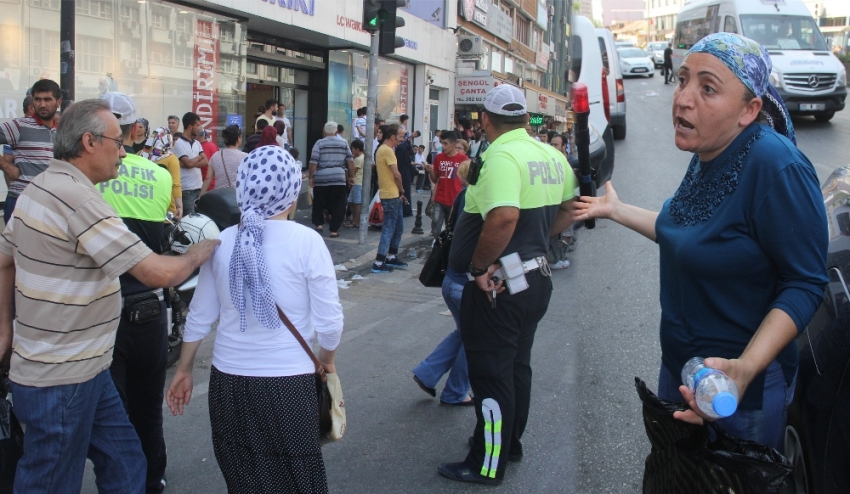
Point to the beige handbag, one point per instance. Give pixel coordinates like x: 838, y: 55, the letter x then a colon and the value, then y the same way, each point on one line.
x: 328, y: 391
x: 337, y: 407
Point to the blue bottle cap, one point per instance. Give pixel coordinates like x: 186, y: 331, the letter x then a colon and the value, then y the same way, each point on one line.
x: 724, y: 404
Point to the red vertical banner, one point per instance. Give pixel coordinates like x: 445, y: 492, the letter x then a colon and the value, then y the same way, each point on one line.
x: 402, y: 91
x: 205, y: 87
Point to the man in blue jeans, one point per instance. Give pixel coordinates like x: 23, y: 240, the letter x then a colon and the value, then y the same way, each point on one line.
x: 392, y: 197
x: 68, y: 303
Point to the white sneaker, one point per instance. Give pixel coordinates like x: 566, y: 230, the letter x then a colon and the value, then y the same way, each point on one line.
x: 561, y: 264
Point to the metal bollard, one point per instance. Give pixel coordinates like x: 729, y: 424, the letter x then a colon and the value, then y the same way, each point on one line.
x: 417, y: 225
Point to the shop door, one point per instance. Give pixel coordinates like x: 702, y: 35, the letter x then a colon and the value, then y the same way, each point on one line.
x: 289, y: 87
x: 434, y: 115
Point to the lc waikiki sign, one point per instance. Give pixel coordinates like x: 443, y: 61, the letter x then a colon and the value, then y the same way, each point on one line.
x: 205, y: 88
x: 306, y: 6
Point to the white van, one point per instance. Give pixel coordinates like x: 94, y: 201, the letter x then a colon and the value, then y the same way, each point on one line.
x: 586, y: 67
x: 811, y: 80
x: 616, y: 89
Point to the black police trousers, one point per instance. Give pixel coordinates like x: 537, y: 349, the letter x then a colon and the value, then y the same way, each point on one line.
x: 138, y: 371
x: 498, y: 345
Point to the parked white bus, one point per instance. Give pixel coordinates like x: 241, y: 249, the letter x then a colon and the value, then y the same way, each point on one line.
x: 810, y: 79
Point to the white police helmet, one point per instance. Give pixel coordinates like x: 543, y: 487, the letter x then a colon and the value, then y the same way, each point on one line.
x: 191, y: 230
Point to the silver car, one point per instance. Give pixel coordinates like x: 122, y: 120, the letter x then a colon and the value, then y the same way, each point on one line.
x: 655, y: 51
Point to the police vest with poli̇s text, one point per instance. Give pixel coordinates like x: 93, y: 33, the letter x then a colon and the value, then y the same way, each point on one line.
x: 142, y: 190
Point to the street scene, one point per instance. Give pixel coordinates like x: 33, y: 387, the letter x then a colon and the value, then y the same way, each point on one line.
x: 592, y: 246
x: 585, y: 431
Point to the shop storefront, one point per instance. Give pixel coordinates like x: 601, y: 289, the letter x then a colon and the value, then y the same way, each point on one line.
x: 546, y: 109
x: 223, y: 59
x: 171, y: 59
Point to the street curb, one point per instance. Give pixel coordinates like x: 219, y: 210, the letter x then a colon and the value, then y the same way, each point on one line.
x: 407, y: 240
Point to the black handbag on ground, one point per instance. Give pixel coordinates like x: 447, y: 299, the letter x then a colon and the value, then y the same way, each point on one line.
x: 684, y: 457
x: 322, y: 393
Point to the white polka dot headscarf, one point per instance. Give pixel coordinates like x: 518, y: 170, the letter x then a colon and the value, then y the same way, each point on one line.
x: 268, y: 182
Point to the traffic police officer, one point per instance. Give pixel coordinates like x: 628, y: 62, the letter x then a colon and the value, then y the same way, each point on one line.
x: 141, y: 195
x: 523, y: 194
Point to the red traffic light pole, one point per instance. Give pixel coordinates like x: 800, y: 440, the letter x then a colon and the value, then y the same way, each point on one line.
x: 581, y: 108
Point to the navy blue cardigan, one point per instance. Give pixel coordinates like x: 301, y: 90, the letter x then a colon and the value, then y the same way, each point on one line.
x: 744, y: 233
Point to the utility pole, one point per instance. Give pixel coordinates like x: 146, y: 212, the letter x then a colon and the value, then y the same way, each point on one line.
x: 380, y: 19
x: 371, y: 108
x: 67, y: 35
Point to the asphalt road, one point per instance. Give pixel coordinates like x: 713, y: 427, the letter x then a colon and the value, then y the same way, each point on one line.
x: 585, y: 433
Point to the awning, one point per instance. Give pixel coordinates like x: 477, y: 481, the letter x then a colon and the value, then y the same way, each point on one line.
x: 835, y: 29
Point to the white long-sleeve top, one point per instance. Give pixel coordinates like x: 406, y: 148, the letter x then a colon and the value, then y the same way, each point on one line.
x: 303, y: 283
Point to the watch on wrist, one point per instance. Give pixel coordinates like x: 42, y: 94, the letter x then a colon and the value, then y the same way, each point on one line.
x: 476, y: 272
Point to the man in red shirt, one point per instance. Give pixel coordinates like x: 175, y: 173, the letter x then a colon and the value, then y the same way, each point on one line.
x: 210, y: 149
x: 444, y: 173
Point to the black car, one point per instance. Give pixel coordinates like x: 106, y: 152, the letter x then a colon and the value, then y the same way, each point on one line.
x: 817, y: 439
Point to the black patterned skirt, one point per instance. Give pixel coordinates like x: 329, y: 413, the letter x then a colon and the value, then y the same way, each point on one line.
x: 265, y: 433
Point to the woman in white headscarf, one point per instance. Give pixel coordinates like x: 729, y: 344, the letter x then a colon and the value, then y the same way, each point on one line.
x: 262, y: 391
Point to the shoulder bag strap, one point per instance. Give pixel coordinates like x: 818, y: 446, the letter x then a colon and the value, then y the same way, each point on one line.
x: 320, y: 369
x: 224, y: 167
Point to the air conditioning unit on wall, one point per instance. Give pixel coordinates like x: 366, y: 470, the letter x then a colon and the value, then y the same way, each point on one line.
x: 469, y: 45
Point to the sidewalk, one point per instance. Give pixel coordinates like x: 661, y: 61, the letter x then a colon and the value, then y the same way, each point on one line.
x: 347, y: 251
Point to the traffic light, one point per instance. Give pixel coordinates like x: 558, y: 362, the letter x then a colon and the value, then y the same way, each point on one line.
x: 373, y: 14
x: 388, y: 40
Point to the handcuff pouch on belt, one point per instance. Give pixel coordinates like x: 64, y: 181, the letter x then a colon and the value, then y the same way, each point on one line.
x: 144, y: 307
x: 513, y: 271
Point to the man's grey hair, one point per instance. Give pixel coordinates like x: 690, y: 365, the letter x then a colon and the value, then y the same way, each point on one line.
x: 330, y: 128
x: 79, y: 118
x: 27, y: 103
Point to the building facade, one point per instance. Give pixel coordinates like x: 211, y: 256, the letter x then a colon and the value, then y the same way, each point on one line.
x: 223, y: 58
x: 509, y: 42
x: 833, y: 17
x: 661, y: 16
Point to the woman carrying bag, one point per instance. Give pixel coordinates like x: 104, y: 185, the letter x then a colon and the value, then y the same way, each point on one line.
x: 225, y: 163
x: 262, y: 393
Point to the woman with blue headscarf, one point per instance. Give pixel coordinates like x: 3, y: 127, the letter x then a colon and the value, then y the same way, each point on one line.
x: 742, y: 242
x: 262, y: 388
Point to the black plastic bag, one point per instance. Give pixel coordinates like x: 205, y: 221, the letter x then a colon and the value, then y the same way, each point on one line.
x: 11, y: 443
x: 685, y: 459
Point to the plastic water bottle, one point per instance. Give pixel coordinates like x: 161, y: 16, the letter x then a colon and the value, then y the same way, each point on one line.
x: 715, y: 393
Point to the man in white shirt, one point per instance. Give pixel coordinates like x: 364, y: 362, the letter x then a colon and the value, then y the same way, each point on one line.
x: 271, y: 111
x: 192, y: 159
x: 280, y: 114
x: 436, y: 144
x: 419, y: 162
x: 358, y: 130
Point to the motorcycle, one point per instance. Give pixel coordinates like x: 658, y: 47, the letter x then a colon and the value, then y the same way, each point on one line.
x: 214, y: 211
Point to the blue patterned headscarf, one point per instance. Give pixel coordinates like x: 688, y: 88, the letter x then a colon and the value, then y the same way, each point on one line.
x: 268, y: 182
x: 750, y: 62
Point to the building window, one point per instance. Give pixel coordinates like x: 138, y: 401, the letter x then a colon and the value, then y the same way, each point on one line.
x: 833, y: 22
x: 94, y: 54
x: 46, y: 4
x: 183, y: 26
x: 183, y: 57
x: 159, y: 21
x: 95, y: 8
x: 129, y: 13
x: 522, y: 29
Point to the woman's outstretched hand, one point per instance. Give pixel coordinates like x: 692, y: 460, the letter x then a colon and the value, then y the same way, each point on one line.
x: 587, y: 207
x: 179, y: 392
